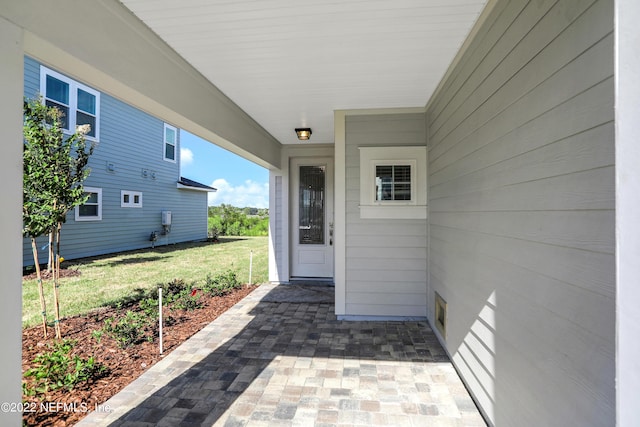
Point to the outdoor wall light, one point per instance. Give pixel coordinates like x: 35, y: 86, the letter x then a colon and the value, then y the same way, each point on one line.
x: 303, y: 133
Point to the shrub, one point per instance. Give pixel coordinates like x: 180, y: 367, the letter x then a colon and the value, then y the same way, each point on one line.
x: 129, y: 330
x: 175, y: 293
x: 133, y: 327
x: 97, y: 335
x: 57, y: 368
x: 172, y: 288
x: 221, y: 284
x: 187, y: 300
x: 149, y: 307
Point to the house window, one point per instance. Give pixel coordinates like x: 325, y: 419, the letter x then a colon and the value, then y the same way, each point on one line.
x: 130, y: 199
x: 393, y: 182
x: 170, y: 138
x: 78, y: 103
x: 91, y: 210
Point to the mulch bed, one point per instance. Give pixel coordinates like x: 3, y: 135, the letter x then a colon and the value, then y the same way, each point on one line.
x: 46, y: 275
x: 65, y: 408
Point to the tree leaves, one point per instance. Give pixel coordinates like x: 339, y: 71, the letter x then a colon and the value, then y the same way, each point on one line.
x: 54, y: 168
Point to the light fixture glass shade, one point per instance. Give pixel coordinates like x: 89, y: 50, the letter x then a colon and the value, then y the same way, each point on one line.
x: 303, y: 133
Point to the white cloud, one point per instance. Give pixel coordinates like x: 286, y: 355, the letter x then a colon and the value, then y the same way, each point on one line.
x: 249, y: 194
x: 186, y: 156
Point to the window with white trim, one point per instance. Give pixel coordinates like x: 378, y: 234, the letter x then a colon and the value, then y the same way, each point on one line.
x: 91, y: 210
x: 78, y: 103
x: 393, y: 182
x: 170, y: 143
x: 130, y: 199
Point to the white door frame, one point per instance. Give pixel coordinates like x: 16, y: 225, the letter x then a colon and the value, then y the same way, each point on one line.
x: 279, y: 209
x: 326, y: 251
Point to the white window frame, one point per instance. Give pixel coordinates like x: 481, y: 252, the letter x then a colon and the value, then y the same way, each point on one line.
x: 165, y: 143
x: 73, y: 100
x: 98, y: 217
x: 370, y: 158
x: 132, y: 196
x: 412, y: 163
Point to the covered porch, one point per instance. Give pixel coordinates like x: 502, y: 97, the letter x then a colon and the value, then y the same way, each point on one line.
x: 281, y: 357
x: 527, y: 111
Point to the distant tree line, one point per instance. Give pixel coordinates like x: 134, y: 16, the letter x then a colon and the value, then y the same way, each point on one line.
x: 227, y: 220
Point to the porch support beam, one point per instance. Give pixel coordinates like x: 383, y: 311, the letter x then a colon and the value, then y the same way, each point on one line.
x: 627, y: 110
x: 11, y: 88
x: 340, y: 209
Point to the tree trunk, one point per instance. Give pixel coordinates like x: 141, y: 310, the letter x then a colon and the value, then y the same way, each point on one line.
x: 50, y: 252
x: 43, y: 307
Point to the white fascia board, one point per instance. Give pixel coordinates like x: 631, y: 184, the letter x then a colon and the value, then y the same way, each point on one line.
x: 186, y: 187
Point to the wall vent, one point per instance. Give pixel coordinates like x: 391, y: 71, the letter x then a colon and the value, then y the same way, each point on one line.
x: 441, y: 315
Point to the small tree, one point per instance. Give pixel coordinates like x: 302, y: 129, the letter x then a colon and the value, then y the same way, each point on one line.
x: 39, y: 138
x: 54, y: 169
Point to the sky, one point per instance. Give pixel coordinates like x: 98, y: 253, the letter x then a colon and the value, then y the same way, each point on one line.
x: 239, y: 182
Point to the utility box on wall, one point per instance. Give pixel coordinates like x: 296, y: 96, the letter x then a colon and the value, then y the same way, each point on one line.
x: 166, y: 217
x: 166, y: 222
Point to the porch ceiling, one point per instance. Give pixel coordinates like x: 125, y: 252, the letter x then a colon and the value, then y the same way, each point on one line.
x: 291, y: 63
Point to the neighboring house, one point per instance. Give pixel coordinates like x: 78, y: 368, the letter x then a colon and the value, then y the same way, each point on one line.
x: 512, y: 226
x: 135, y: 174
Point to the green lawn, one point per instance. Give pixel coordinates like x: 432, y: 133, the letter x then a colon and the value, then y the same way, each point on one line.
x: 109, y: 278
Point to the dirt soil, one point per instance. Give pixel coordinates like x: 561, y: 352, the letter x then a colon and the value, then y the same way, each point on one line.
x: 65, y: 408
x: 46, y: 275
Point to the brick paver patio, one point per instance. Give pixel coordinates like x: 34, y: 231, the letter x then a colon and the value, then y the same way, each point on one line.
x: 284, y: 363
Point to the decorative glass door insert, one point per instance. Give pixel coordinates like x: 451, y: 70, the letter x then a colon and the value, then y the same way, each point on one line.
x: 311, y: 205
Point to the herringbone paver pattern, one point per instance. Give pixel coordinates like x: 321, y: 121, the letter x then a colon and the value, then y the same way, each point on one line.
x: 294, y: 364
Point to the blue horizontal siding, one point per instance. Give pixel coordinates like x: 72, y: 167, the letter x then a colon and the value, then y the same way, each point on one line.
x: 132, y: 141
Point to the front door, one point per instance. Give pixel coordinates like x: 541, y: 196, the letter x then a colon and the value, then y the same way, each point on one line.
x: 312, y: 218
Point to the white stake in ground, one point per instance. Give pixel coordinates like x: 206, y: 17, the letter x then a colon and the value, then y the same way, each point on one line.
x: 250, y: 265
x: 160, y: 316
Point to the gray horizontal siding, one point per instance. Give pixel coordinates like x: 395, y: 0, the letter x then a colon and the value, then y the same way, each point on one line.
x: 131, y: 140
x: 31, y: 78
x: 385, y: 259
x: 521, y: 213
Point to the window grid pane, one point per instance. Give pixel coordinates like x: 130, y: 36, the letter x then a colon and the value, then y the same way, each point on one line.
x: 402, y: 173
x: 86, y: 102
x: 85, y: 119
x: 402, y: 191
x: 169, y: 151
x: 393, y: 182
x: 93, y: 199
x: 88, y: 210
x: 90, y: 207
x: 170, y: 136
x: 57, y: 90
x: 64, y: 117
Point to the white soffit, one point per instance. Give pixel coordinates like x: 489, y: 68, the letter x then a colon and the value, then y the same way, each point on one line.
x: 291, y: 63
